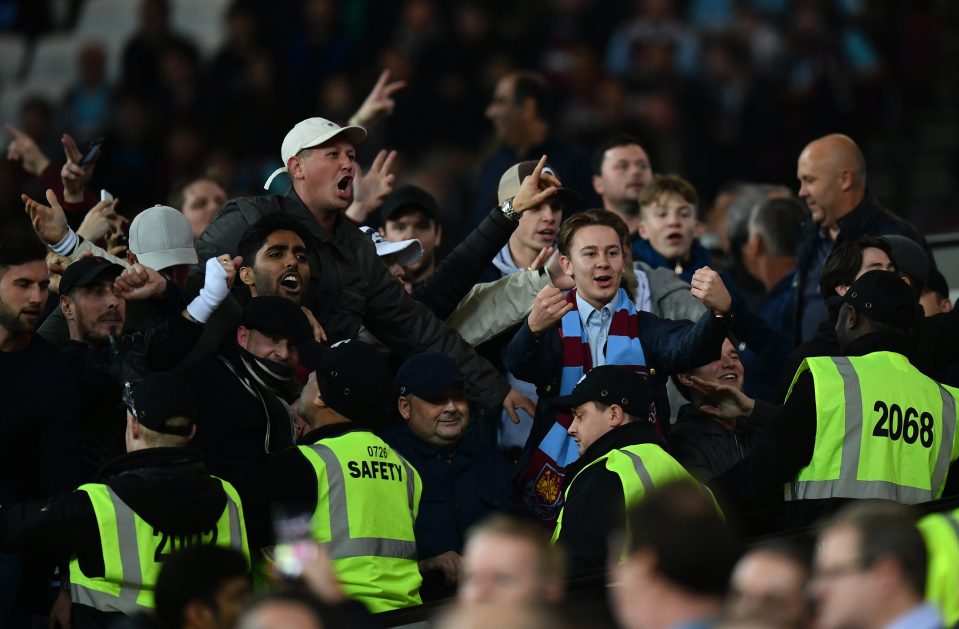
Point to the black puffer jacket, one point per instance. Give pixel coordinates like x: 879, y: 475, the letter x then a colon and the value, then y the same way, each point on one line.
x: 350, y: 286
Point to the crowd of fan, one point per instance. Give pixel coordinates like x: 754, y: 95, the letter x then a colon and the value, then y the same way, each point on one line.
x: 206, y: 338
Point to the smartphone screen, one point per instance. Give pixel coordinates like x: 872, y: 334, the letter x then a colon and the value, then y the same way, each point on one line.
x: 92, y: 151
x: 294, y: 542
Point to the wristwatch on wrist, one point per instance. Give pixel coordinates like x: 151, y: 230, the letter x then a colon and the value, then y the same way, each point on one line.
x: 508, y: 211
x: 719, y: 315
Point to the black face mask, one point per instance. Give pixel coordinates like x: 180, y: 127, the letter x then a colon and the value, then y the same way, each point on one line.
x: 278, y: 378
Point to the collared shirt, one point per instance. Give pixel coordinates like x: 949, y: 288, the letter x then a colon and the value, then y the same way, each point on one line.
x: 922, y: 616
x: 596, y: 326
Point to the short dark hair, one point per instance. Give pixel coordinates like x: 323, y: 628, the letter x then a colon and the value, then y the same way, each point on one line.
x: 616, y: 141
x: 19, y: 245
x: 550, y: 557
x: 256, y: 234
x: 533, y: 85
x: 585, y: 219
x: 695, y: 549
x: 777, y: 221
x: 887, y: 529
x: 843, y: 264
x: 663, y: 184
x: 196, y: 573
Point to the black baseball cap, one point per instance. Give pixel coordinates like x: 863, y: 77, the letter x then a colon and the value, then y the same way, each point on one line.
x: 428, y: 374
x: 883, y: 297
x: 84, y: 271
x: 159, y: 397
x: 910, y: 258
x: 276, y: 315
x: 937, y: 283
x: 353, y: 379
x: 409, y: 198
x: 611, y: 384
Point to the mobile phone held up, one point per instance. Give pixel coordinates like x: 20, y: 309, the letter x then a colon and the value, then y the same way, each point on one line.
x: 294, y: 542
x: 92, y: 151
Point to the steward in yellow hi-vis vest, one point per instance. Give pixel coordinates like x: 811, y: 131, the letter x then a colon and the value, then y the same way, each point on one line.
x: 145, y: 505
x: 363, y: 496
x: 865, y: 425
x: 941, y: 533
x: 621, y: 460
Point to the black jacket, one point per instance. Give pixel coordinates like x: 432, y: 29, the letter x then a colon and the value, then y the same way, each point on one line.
x: 595, y: 505
x: 787, y: 445
x: 350, y: 286
x: 233, y: 425
x: 932, y: 347
x: 167, y: 487
x: 867, y: 218
x: 101, y: 371
x: 705, y: 447
x: 445, y: 288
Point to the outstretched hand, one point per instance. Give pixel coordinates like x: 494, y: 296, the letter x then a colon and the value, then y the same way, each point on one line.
x: 536, y: 188
x: 49, y: 221
x: 371, y: 188
x: 728, y: 403
x: 515, y: 401
x: 379, y: 102
x: 24, y: 149
x: 549, y: 307
x: 74, y: 176
x: 708, y: 287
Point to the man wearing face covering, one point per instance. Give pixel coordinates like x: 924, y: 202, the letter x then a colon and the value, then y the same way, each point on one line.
x: 244, y: 393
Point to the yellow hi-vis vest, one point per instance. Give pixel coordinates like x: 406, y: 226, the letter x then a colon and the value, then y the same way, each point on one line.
x: 368, y: 499
x: 641, y: 468
x: 133, y: 551
x: 941, y: 532
x: 883, y: 431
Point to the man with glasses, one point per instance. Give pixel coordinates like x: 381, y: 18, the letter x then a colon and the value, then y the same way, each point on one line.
x: 870, y: 570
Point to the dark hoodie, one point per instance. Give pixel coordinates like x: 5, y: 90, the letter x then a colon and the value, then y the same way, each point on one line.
x: 168, y: 487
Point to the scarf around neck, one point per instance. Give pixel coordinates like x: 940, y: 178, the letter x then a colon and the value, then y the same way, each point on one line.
x: 541, y: 482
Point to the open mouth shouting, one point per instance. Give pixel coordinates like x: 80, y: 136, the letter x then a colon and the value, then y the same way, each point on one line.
x: 675, y: 239
x: 291, y: 283
x: 344, y: 187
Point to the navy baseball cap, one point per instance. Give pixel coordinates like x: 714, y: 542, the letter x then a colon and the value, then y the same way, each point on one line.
x: 409, y: 198
x: 428, y: 374
x: 276, y: 315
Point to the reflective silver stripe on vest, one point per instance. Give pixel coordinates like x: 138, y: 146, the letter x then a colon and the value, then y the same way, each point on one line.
x: 641, y: 470
x: 848, y: 485
x: 342, y: 545
x: 132, y: 583
x: 953, y: 520
x: 945, y: 446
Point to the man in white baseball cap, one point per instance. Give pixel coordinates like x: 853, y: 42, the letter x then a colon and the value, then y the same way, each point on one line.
x: 312, y: 133
x: 396, y: 255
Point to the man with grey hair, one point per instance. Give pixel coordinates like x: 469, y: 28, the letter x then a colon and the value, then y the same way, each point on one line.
x: 769, y: 255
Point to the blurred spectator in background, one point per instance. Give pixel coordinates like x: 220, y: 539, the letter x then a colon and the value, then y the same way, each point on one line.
x: 935, y: 297
x: 521, y: 111
x: 621, y: 169
x: 202, y: 587
x: 511, y: 561
x: 678, y: 554
x: 200, y: 200
x: 146, y: 63
x: 870, y: 570
x: 85, y: 109
x: 770, y: 583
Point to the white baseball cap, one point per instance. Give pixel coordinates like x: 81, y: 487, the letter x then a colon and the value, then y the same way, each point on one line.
x: 161, y: 237
x: 407, y: 252
x: 313, y: 132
